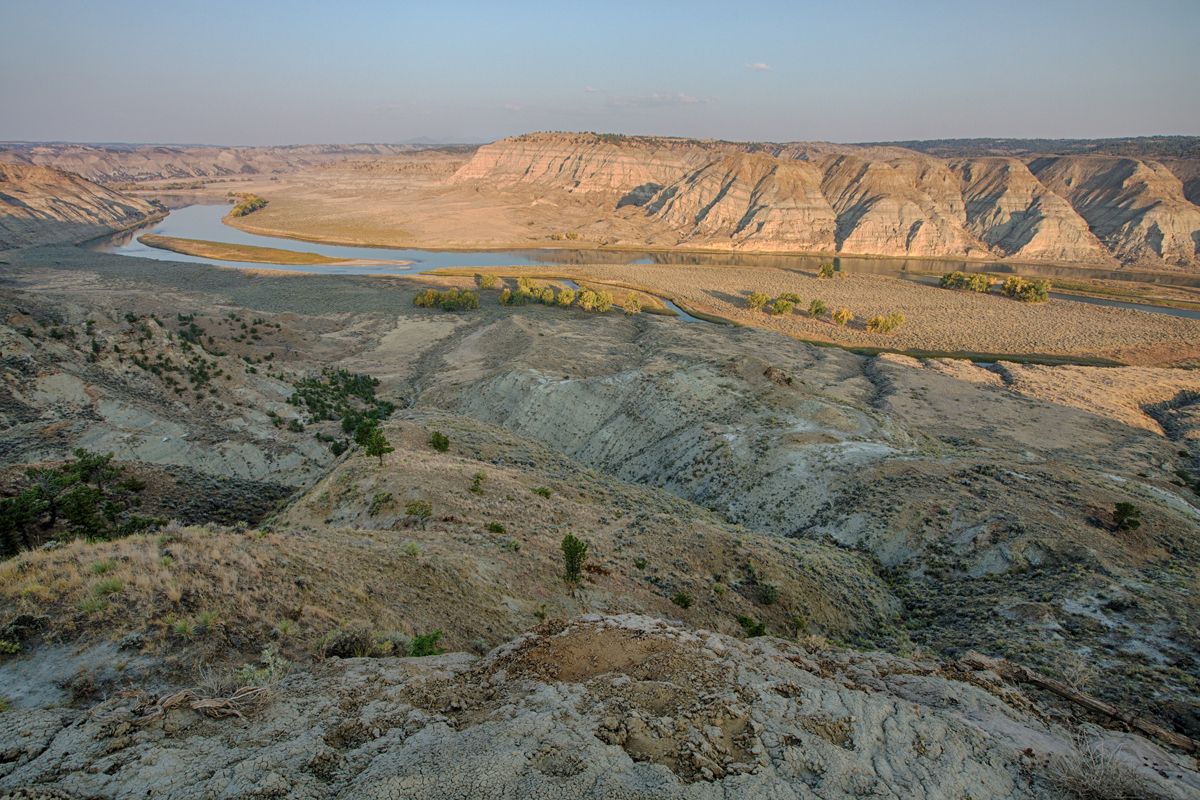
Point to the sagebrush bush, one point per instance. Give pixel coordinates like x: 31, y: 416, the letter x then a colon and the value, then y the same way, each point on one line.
x: 885, y: 323
x: 816, y: 308
x: 757, y: 300
x: 781, y: 307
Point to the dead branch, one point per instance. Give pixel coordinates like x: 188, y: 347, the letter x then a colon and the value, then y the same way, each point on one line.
x: 1016, y: 672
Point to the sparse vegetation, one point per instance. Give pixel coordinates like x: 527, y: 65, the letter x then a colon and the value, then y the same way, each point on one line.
x: 477, y: 482
x: 682, y: 599
x: 541, y: 491
x: 88, y: 497
x: 439, y: 441
x: 816, y: 308
x: 829, y: 270
x: 495, y: 527
x: 378, y: 502
x: 843, y: 316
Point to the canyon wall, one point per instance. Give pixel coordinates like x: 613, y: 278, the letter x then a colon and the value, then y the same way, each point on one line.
x: 1091, y: 208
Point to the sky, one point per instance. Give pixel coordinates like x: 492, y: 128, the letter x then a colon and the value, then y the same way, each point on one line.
x: 266, y: 72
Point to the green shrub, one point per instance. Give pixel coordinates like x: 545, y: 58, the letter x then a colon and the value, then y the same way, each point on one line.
x: 378, y: 502
x: 541, y: 491
x: 1037, y: 291
x: 781, y: 307
x: 828, y: 270
x: 9, y: 648
x: 487, y: 281
x: 425, y: 644
x: 885, y: 323
x: 640, y: 562
x: 250, y: 203
x: 477, y: 482
x: 632, y: 305
x: 977, y: 282
x: 566, y: 297
x: 574, y: 554
x: 505, y: 297
x: 1127, y: 516
x: 843, y: 316
x: 377, y: 445
x: 422, y: 510
x: 791, y: 297
x: 439, y: 441
x: 816, y: 308
x: 450, y: 300
x: 682, y: 599
x: 752, y: 627
x: 767, y: 593
x: 757, y: 301
x: 495, y: 527
x: 604, y: 301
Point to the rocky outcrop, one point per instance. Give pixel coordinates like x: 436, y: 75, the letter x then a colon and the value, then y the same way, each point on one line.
x: 870, y: 200
x: 40, y: 205
x: 618, y: 706
x: 1009, y: 210
x: 1136, y: 208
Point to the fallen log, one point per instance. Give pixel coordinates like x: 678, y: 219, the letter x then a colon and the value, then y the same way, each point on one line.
x: 1016, y: 672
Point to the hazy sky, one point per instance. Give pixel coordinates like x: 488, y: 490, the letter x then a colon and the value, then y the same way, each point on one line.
x: 260, y: 72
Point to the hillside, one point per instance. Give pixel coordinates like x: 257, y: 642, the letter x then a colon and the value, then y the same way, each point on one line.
x: 41, y: 204
x: 866, y: 200
x: 791, y: 549
x: 140, y: 163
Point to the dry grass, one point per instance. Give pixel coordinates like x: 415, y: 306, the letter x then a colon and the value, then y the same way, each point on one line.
x: 219, y: 594
x: 1093, y: 772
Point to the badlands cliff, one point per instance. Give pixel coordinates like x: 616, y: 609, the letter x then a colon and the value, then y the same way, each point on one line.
x: 867, y: 200
x: 41, y: 204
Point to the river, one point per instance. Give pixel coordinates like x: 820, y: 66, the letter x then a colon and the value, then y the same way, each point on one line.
x: 205, y: 222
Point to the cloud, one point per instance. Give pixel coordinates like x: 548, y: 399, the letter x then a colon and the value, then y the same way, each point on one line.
x: 759, y: 66
x: 656, y: 100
